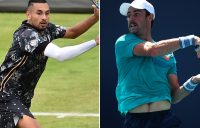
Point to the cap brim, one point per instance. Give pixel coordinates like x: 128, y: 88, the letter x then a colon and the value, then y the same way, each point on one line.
x: 124, y: 8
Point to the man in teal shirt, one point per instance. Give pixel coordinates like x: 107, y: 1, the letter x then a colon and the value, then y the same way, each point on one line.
x: 147, y: 77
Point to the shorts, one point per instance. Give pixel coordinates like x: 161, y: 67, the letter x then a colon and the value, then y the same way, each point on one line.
x: 11, y: 110
x: 160, y: 119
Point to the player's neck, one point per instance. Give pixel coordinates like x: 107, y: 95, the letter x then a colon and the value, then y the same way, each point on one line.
x: 145, y: 34
x: 146, y: 37
x: 149, y: 38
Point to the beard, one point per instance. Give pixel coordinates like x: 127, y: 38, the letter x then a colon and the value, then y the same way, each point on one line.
x: 43, y: 26
x: 133, y: 29
x: 136, y: 29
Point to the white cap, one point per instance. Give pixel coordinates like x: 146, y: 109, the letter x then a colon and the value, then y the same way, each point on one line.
x: 138, y: 4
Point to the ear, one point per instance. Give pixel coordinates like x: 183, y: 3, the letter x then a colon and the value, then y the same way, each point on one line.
x: 151, y: 17
x: 28, y: 14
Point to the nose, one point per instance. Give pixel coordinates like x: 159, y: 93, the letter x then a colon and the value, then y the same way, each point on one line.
x: 44, y: 17
x: 131, y: 18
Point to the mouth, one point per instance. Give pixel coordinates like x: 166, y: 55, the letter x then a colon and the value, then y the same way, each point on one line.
x: 132, y: 25
x: 43, y: 23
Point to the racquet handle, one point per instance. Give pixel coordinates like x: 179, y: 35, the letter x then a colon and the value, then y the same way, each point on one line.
x: 96, y: 3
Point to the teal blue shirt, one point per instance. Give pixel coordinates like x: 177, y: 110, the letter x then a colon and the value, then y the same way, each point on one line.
x: 141, y: 79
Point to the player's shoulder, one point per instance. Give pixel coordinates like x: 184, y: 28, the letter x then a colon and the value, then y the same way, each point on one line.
x: 51, y: 25
x: 29, y: 32
x: 25, y: 33
x: 126, y: 37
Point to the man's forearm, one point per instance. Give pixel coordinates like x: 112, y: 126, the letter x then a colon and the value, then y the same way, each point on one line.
x: 81, y: 27
x: 68, y: 52
x: 186, y: 88
x: 179, y: 95
x: 164, y: 47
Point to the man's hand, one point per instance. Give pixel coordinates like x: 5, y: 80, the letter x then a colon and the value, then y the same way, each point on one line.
x: 198, y: 52
x: 96, y: 11
x: 197, y: 40
x: 196, y: 79
x: 97, y: 40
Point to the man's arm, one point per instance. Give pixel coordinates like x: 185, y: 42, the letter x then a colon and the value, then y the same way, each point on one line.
x: 162, y: 47
x: 177, y: 91
x: 83, y: 26
x: 69, y: 52
x: 180, y: 92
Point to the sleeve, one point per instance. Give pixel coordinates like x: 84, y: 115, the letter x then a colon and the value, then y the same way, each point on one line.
x: 124, y: 46
x: 31, y: 42
x: 68, y: 52
x: 57, y: 31
x: 173, y: 69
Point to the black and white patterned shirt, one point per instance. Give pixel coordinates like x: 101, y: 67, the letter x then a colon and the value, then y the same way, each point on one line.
x: 25, y: 60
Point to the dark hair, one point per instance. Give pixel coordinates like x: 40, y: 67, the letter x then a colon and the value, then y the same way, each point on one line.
x: 147, y: 14
x: 30, y: 3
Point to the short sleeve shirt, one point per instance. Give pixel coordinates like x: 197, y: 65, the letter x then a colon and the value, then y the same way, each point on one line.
x: 141, y: 79
x: 25, y: 60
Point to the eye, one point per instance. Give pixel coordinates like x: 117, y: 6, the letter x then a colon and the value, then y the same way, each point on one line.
x: 47, y: 13
x: 39, y: 13
x: 136, y: 14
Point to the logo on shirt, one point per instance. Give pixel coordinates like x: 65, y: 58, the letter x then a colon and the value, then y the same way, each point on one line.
x: 167, y: 57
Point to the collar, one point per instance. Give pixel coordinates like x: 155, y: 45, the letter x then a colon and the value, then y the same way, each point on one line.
x: 25, y: 22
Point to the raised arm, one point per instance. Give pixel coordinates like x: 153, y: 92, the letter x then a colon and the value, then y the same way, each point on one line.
x: 165, y: 46
x: 83, y: 26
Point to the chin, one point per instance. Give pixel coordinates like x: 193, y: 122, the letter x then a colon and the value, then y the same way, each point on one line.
x: 133, y: 32
x: 43, y: 28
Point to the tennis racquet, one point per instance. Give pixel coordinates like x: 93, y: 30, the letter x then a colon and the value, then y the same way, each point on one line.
x: 96, y: 3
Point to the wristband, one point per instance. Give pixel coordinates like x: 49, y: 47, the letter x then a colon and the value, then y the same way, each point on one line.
x: 187, y: 41
x: 189, y: 86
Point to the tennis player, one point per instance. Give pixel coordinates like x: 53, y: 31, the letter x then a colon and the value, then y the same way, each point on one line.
x: 26, y: 60
x: 147, y: 74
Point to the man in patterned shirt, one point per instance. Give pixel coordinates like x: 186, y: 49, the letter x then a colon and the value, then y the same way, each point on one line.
x: 27, y: 57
